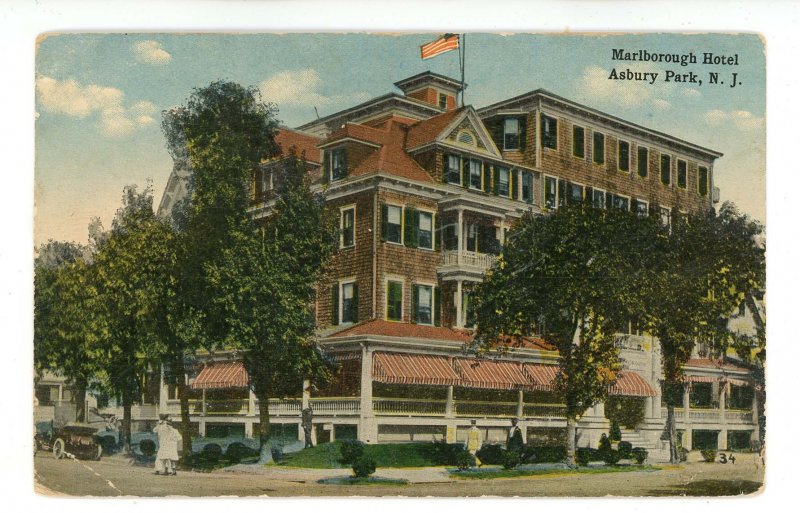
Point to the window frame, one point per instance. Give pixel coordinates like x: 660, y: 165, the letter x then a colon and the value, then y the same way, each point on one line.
x: 661, y: 211
x: 668, y: 183
x: 705, y: 180
x: 614, y: 197
x: 507, y: 170
x: 448, y: 169
x: 432, y: 214
x: 342, y: 211
x: 387, y: 281
x: 415, y: 314
x: 569, y: 187
x: 442, y: 101
x: 342, y: 283
x: 522, y: 176
x: 595, y: 153
x: 548, y: 135
x: 506, y: 134
x: 332, y: 153
x: 544, y: 192
x: 582, y: 129
x: 602, y: 203
x: 641, y: 202
x: 402, y: 223
x: 639, y: 161
x: 480, y: 175
x: 685, y: 185
x: 620, y: 143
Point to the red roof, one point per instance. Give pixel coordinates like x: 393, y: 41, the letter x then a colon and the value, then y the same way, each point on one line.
x: 287, y: 139
x: 632, y: 384
x: 413, y: 369
x: 428, y: 130
x: 714, y: 364
x: 222, y: 375
x: 404, y: 330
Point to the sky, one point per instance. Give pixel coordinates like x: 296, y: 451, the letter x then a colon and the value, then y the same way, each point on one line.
x: 99, y: 98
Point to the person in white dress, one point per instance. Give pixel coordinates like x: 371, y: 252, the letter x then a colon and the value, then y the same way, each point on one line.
x: 168, y: 438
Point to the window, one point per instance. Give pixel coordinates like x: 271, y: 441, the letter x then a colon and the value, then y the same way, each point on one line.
x: 476, y: 174
x: 466, y: 138
x: 472, y: 237
x: 641, y: 161
x: 337, y: 167
x: 577, y: 141
x: 623, y: 156
x: 467, y: 311
x: 423, y: 304
x: 394, y: 300
x: 666, y: 163
x: 347, y: 227
x: 682, y: 174
x: 450, y: 236
x: 266, y: 181
x: 666, y: 216
x: 598, y: 198
x: 503, y: 181
x: 511, y: 134
x: 452, y: 172
x: 549, y: 132
x: 550, y: 192
x: 425, y: 234
x: 348, y: 306
x: 640, y: 207
x: 393, y: 224
x: 620, y: 202
x: 598, y: 148
x: 442, y: 101
x: 575, y: 193
x: 702, y: 181
x: 527, y: 187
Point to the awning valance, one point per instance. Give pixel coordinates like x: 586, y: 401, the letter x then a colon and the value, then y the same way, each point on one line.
x: 701, y: 379
x: 413, y: 369
x: 217, y: 375
x: 632, y: 384
x: 492, y: 374
x: 542, y: 376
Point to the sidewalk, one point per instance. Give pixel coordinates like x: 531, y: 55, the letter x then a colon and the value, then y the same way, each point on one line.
x: 296, y: 474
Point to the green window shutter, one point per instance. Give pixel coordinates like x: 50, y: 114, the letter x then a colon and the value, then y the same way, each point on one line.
x: 609, y: 200
x: 384, y: 221
x: 464, y: 172
x: 495, y: 182
x: 588, y: 196
x: 522, y: 138
x: 411, y: 235
x: 437, y: 307
x: 335, y: 304
x: 486, y: 177
x: 354, y: 304
x: 513, y: 185
x: 414, y: 303
x: 437, y: 233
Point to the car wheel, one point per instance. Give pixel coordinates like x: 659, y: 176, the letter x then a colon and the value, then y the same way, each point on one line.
x: 98, y: 453
x: 59, y: 448
x: 147, y: 447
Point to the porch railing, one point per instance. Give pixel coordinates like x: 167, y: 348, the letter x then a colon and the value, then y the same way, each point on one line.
x: 335, y: 405
x: 468, y: 258
x: 544, y: 410
x: 402, y: 406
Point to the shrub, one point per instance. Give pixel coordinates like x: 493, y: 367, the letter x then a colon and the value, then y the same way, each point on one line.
x: 625, y: 449
x: 491, y: 454
x: 709, y: 455
x: 464, y: 460
x: 510, y: 459
x: 351, y: 451
x: 610, y: 457
x: 363, y: 466
x: 443, y: 453
x: 238, y: 451
x: 605, y: 443
x: 544, y: 454
x: 615, y: 434
x: 639, y: 454
x: 211, y: 453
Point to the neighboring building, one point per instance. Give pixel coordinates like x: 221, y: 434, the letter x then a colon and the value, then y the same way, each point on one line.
x: 424, y: 193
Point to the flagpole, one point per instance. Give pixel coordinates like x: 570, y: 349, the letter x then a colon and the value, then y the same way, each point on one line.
x: 462, y: 57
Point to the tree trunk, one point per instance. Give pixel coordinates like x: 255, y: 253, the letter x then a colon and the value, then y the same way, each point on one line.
x: 571, y: 434
x: 674, y: 457
x: 183, y: 396
x: 263, y: 438
x: 80, y: 404
x: 126, y: 424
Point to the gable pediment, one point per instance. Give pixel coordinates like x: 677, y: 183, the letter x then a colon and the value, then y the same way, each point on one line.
x: 467, y: 132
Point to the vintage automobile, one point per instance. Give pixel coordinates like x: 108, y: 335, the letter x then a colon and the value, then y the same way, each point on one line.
x: 78, y: 440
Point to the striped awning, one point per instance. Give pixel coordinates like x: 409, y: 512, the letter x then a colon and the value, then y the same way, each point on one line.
x: 217, y: 375
x: 701, y: 379
x: 492, y: 374
x: 345, y: 357
x: 739, y: 382
x: 633, y: 385
x: 541, y: 376
x: 413, y: 369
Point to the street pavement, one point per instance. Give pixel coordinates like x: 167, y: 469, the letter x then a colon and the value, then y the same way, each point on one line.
x: 117, y: 477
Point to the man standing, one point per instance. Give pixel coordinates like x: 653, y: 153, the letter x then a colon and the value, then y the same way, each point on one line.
x: 308, y: 423
x: 168, y: 438
x: 474, y: 442
x: 514, y: 443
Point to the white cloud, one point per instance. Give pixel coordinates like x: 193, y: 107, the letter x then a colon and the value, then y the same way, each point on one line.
x: 301, y: 87
x: 150, y: 52
x: 660, y: 104
x: 741, y: 119
x: 70, y: 98
x: 689, y: 92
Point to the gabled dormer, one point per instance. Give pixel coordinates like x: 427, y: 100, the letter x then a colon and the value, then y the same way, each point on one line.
x: 433, y: 89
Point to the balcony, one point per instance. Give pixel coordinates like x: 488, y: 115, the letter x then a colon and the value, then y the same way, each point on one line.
x: 468, y: 263
x: 711, y: 416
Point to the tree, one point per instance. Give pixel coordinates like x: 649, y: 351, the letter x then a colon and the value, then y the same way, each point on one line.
x: 63, y: 300
x: 709, y: 264
x: 221, y: 135
x: 268, y: 278
x: 132, y: 272
x: 573, y: 278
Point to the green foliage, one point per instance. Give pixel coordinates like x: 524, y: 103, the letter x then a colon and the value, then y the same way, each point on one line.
x: 364, y: 467
x: 464, y: 460
x: 442, y: 453
x: 625, y: 450
x: 544, y: 454
x: 614, y: 433
x: 709, y: 455
x: 510, y: 459
x: 351, y: 451
x: 625, y: 411
x: 605, y: 443
x: 491, y: 454
x: 639, y: 454
x: 583, y: 455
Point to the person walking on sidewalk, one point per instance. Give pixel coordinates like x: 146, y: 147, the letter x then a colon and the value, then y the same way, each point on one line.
x: 168, y: 438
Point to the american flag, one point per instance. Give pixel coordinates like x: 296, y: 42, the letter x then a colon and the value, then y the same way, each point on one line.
x: 444, y: 44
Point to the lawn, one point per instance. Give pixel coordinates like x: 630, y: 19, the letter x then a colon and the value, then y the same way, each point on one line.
x: 385, y: 455
x: 503, y: 473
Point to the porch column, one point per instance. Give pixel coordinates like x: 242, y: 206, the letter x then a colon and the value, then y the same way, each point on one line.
x: 502, y: 232
x: 649, y: 407
x: 459, y: 298
x: 460, y: 234
x: 306, y: 393
x: 201, y: 428
x: 520, y: 404
x: 600, y: 410
x: 368, y: 429
x: 163, y: 393
x: 448, y: 405
x: 687, y: 438
x: 204, y: 403
x: 251, y: 403
x: 722, y: 438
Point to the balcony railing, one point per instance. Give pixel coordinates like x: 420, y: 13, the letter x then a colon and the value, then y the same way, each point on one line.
x: 401, y: 406
x: 482, y: 261
x: 739, y: 416
x: 336, y: 405
x: 545, y: 410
